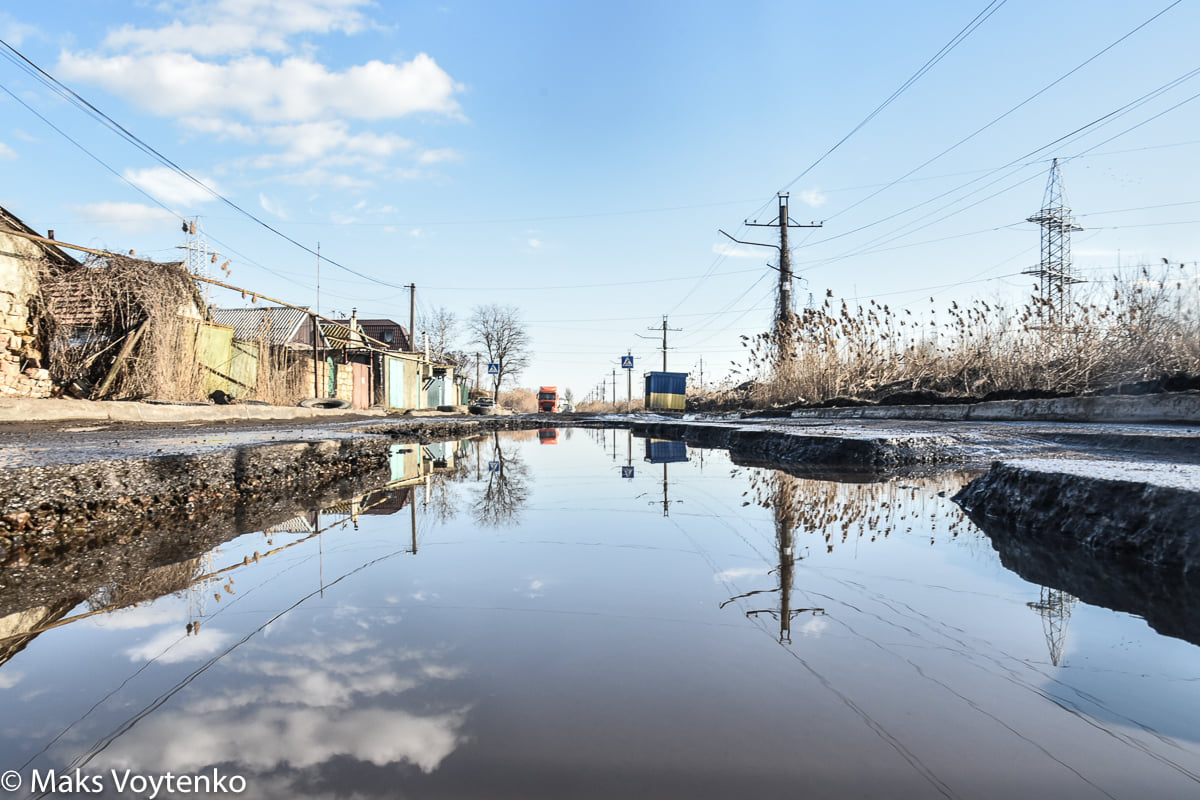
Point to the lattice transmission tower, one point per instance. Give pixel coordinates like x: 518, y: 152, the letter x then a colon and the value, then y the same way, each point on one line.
x: 1055, y: 275
x: 1054, y: 607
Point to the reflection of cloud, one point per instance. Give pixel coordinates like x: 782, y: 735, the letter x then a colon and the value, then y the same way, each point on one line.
x: 10, y: 679
x: 533, y: 591
x: 814, y: 627
x: 269, y: 737
x: 139, y: 617
x: 300, y: 706
x: 739, y: 572
x: 171, y: 646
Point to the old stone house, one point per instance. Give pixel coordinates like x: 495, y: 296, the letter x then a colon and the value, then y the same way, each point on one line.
x: 23, y: 263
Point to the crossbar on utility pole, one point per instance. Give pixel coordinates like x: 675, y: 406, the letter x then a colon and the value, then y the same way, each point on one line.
x: 783, y: 308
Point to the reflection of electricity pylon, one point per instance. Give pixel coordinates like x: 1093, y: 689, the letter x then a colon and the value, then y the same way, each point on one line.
x: 783, y: 504
x: 1054, y: 607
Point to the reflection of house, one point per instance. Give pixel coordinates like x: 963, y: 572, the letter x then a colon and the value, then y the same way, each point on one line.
x: 22, y: 262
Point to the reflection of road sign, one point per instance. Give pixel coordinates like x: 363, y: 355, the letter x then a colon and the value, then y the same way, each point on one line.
x: 626, y: 362
x: 627, y: 472
x: 493, y: 466
x: 493, y: 369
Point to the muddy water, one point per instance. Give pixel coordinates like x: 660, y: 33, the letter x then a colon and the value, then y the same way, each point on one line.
x: 583, y: 614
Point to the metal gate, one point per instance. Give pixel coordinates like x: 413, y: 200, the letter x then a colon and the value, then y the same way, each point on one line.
x: 395, y: 383
x: 362, y: 385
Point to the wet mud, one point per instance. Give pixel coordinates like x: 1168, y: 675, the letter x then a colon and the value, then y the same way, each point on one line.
x: 1093, y: 507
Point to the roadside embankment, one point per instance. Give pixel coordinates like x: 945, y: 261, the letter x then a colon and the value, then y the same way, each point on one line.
x: 1166, y: 407
x: 1146, y: 511
x: 46, y: 511
x: 768, y: 444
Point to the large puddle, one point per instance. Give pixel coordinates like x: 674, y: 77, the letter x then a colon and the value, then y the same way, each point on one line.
x: 585, y: 614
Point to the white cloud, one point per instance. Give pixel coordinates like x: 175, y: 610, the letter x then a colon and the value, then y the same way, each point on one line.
x: 814, y: 627
x: 170, y: 187
x: 128, y: 217
x: 7, y: 152
x: 813, y: 198
x: 233, y: 26
x: 738, y: 573
x: 295, y: 90
x: 271, y: 207
x: 141, y: 616
x: 171, y: 646
x: 10, y: 679
x: 439, y: 155
x: 317, y: 176
x: 15, y: 32
x: 735, y: 251
x: 274, y: 736
x: 535, y: 243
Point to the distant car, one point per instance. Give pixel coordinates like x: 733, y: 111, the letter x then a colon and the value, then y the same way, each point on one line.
x: 565, y: 407
x: 482, y: 405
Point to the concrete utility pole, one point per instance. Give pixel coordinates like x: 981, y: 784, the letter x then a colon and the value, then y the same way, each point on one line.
x: 412, y: 317
x: 614, y: 390
x: 783, y: 305
x: 664, y: 339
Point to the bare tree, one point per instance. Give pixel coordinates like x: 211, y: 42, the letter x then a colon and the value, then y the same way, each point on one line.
x: 442, y: 327
x: 500, y: 332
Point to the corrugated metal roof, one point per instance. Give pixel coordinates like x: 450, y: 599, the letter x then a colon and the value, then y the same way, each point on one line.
x: 274, y: 324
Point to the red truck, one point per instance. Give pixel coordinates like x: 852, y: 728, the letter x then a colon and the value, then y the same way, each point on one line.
x: 548, y: 399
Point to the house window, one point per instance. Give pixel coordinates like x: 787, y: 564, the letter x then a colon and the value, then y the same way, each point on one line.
x: 387, y: 336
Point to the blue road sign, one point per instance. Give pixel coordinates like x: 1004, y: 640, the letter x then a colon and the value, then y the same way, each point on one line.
x: 493, y: 369
x: 627, y: 472
x: 493, y: 466
x: 626, y: 362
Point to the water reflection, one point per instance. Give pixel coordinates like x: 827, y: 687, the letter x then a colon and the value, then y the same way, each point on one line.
x: 506, y: 488
x: 773, y: 631
x: 1168, y: 599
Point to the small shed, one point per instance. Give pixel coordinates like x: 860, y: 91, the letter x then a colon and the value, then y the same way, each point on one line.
x: 666, y: 391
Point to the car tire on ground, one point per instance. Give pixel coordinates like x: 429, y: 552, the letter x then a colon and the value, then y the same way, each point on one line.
x: 328, y: 403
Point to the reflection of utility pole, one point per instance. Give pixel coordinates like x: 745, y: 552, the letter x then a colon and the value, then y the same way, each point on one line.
x: 783, y: 503
x: 1054, y: 607
x: 666, y: 499
x: 412, y: 504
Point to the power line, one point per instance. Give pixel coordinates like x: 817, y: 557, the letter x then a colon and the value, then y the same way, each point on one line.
x: 80, y: 102
x: 958, y: 38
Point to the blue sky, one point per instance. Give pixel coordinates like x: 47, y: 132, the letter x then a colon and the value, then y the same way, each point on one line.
x: 577, y: 159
